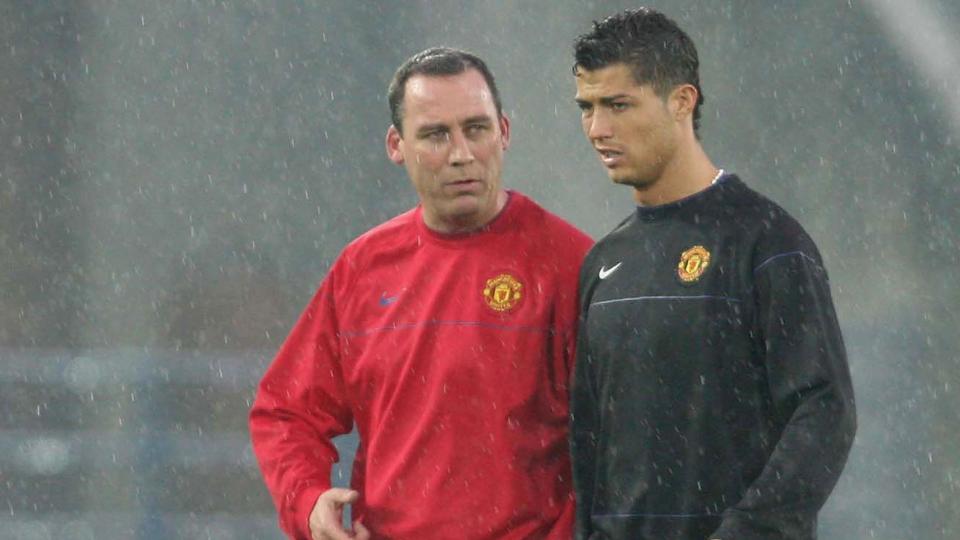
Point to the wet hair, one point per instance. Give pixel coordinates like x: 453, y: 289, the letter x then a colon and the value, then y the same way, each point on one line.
x: 435, y: 62
x: 655, y: 49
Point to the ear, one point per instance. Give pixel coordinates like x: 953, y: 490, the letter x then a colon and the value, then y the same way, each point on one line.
x: 504, y: 131
x: 683, y: 100
x: 394, y: 145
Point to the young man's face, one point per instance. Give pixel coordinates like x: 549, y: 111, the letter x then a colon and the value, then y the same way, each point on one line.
x: 633, y: 130
x: 452, y: 147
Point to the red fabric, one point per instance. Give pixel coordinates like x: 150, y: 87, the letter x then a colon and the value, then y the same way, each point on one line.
x: 461, y: 409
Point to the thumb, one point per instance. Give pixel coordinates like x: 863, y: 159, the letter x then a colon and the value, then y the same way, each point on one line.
x: 343, y: 496
x: 360, y: 532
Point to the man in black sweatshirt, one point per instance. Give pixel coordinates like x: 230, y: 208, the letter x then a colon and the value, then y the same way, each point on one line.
x: 711, y: 396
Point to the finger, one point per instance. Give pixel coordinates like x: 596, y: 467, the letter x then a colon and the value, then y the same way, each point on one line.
x: 325, y: 519
x: 341, y: 495
x: 328, y: 530
x: 334, y: 533
x: 360, y: 532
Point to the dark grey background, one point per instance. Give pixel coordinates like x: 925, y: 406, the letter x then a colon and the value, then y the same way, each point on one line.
x: 177, y: 176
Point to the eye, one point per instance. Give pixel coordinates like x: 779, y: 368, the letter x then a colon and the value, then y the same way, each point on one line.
x: 584, y: 107
x: 437, y: 136
x: 476, y: 129
x: 619, y: 106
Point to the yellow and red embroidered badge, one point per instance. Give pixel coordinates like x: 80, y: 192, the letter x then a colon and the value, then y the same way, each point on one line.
x: 693, y: 263
x: 503, y: 292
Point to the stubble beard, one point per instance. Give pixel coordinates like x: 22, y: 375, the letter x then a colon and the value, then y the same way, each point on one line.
x: 636, y: 182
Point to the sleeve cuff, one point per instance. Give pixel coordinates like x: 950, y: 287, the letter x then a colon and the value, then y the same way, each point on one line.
x: 302, y: 507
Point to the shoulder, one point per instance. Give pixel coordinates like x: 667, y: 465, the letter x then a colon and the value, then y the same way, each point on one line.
x: 613, y: 240
x: 773, y: 231
x: 549, y: 228
x: 612, y: 248
x: 390, y: 236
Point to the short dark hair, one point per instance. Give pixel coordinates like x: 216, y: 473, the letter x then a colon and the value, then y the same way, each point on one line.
x: 436, y: 61
x: 655, y: 49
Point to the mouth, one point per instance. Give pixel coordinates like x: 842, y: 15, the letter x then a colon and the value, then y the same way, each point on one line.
x: 464, y: 183
x: 609, y: 156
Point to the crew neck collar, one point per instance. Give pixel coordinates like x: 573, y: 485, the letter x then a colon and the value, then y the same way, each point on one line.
x: 495, y: 225
x: 649, y: 213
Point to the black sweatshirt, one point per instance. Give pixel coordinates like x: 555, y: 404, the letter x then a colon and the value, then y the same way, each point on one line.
x: 711, y: 394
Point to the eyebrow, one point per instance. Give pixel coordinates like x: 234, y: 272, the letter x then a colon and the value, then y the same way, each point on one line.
x: 440, y: 126
x: 478, y: 119
x: 429, y: 128
x: 606, y: 100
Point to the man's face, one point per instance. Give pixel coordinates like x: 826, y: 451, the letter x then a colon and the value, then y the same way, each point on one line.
x: 632, y: 129
x: 452, y: 147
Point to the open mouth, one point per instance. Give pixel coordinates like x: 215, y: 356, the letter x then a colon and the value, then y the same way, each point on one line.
x: 608, y: 156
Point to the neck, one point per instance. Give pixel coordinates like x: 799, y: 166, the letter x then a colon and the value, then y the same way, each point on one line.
x: 691, y: 171
x: 465, y: 224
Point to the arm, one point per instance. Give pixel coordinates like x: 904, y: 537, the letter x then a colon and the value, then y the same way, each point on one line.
x: 584, y: 425
x: 583, y: 442
x: 299, y: 408
x: 812, y: 398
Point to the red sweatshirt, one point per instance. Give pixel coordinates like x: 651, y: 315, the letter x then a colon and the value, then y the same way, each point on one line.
x: 452, y: 355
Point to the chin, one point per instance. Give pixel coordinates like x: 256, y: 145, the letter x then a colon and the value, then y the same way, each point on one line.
x: 631, y: 181
x: 462, y: 212
x: 626, y: 181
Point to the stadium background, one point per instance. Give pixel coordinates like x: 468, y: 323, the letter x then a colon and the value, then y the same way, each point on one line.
x: 177, y: 176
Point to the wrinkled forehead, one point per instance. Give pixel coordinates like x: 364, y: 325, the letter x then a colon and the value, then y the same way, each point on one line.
x: 448, y: 98
x: 469, y: 84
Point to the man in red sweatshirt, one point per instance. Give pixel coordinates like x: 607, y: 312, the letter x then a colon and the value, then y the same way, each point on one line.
x: 445, y: 335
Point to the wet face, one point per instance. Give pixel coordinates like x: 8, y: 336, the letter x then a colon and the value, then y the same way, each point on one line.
x: 633, y: 130
x: 452, y: 147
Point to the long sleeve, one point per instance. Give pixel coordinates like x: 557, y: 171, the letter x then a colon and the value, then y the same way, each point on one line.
x: 811, y: 395
x: 300, y: 406
x: 584, y: 426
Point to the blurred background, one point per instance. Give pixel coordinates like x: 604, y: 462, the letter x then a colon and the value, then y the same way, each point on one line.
x: 176, y: 177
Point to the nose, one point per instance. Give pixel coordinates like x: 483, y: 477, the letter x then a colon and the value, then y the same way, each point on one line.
x: 460, y: 152
x: 597, y: 126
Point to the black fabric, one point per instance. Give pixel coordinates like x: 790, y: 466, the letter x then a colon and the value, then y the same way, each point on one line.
x: 719, y: 407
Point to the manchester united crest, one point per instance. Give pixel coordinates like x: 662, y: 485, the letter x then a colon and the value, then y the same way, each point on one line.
x: 503, y: 292
x: 693, y: 263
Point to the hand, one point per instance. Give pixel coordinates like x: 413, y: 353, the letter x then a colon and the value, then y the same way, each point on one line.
x: 326, y: 518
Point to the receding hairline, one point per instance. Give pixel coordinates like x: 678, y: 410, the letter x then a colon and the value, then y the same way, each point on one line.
x: 485, y: 92
x: 437, y: 61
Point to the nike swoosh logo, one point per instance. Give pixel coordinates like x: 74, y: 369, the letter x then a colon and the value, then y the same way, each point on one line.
x: 604, y: 271
x: 387, y: 300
